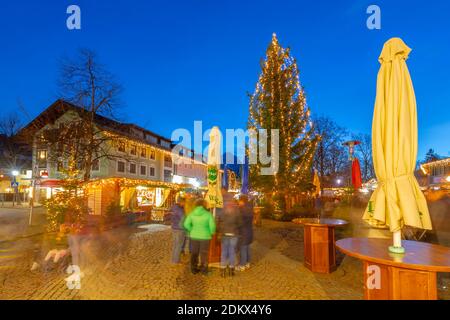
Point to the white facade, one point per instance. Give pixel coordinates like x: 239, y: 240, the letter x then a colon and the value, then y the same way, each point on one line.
x: 188, y: 170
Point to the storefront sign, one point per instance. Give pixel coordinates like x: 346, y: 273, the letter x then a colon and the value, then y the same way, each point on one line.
x: 145, y: 196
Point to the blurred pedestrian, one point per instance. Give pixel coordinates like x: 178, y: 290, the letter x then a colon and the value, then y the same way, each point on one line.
x: 229, y: 225
x: 246, y: 211
x: 318, y: 205
x: 178, y: 232
x: 201, y: 226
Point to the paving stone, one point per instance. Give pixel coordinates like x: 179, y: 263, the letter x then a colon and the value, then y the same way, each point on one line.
x: 120, y: 265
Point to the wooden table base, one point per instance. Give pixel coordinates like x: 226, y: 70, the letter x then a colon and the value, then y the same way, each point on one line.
x: 320, y: 252
x: 214, y: 250
x: 319, y: 246
x: 393, y: 276
x: 383, y: 282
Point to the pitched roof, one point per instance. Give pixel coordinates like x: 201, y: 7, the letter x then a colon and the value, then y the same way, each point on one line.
x: 60, y: 106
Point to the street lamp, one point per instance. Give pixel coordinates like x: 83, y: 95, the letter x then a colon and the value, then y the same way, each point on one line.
x: 15, y: 173
x: 351, y: 150
x: 351, y: 147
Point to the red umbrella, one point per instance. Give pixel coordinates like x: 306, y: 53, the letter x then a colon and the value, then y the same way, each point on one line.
x: 356, y: 174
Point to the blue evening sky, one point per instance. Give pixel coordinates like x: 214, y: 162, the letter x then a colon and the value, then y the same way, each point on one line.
x: 181, y: 61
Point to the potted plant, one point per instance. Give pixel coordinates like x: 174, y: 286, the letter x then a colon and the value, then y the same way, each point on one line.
x: 258, y: 211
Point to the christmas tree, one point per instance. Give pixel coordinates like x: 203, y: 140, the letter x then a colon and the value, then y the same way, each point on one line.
x: 279, y: 103
x: 69, y: 205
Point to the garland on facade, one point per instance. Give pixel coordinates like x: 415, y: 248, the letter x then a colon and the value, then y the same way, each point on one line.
x: 135, y: 141
x: 128, y: 183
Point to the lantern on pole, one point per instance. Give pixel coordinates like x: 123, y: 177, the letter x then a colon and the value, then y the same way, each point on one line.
x: 355, y: 168
x: 351, y: 147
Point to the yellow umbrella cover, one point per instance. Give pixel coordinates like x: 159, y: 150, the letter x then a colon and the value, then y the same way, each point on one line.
x: 214, y: 194
x: 397, y: 201
x: 316, y: 182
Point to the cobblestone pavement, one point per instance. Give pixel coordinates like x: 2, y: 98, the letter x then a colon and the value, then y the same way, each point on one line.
x: 123, y: 264
x: 14, y: 222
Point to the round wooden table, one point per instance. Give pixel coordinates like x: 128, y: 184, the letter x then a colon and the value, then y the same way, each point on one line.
x: 319, y: 247
x: 391, y: 276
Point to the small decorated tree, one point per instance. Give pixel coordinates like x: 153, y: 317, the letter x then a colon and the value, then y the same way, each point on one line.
x: 68, y: 206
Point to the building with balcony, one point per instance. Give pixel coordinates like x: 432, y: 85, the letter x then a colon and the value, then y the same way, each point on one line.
x: 137, y: 172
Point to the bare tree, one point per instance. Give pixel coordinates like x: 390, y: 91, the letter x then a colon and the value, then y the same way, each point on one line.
x: 13, y: 152
x: 364, y: 152
x: 12, y: 149
x: 93, y: 89
x: 331, y: 157
x: 88, y: 84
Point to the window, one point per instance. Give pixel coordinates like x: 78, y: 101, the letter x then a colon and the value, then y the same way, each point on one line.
x: 167, y: 175
x: 59, y: 165
x: 143, y: 152
x: 133, y: 168
x: 133, y: 150
x: 42, y: 158
x: 143, y: 171
x: 152, y: 171
x: 80, y: 165
x: 137, y: 132
x: 151, y: 139
x: 59, y: 148
x: 96, y: 165
x: 165, y: 143
x: 120, y: 166
x: 121, y: 146
x: 167, y: 161
x: 152, y: 154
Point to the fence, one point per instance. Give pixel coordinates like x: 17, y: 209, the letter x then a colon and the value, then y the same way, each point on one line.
x: 20, y: 197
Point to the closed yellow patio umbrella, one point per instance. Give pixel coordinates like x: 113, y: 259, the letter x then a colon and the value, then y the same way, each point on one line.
x: 316, y: 183
x: 214, y: 193
x: 397, y: 201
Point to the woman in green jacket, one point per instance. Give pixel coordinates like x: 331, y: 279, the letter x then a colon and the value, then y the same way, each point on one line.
x: 201, y: 226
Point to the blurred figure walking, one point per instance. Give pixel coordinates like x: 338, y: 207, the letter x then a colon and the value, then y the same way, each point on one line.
x: 318, y: 205
x: 178, y: 232
x: 229, y: 225
x: 246, y: 211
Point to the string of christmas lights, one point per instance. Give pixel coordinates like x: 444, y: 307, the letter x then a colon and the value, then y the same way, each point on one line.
x: 279, y: 102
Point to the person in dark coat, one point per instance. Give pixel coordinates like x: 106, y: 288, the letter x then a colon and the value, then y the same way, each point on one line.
x: 178, y: 232
x: 318, y: 206
x: 229, y: 227
x: 246, y: 211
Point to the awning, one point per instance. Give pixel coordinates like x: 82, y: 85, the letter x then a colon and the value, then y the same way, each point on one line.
x: 49, y: 183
